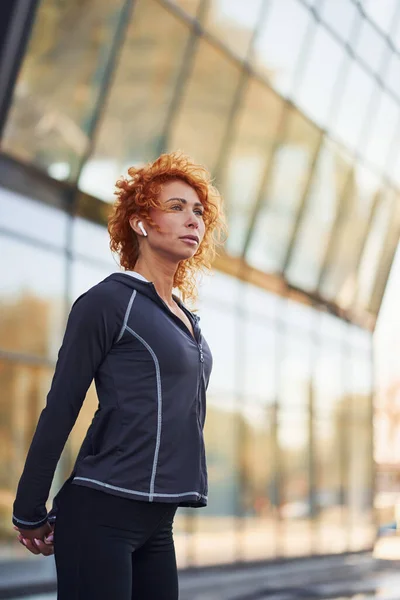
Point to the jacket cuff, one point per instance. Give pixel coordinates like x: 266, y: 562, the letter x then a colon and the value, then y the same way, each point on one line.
x: 28, y: 524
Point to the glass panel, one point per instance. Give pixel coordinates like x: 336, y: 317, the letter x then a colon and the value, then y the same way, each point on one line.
x: 85, y: 276
x: 140, y: 97
x: 392, y: 74
x: 233, y: 23
x: 362, y: 385
x: 215, y: 528
x: 374, y: 246
x: 31, y: 300
x: 218, y: 328
x: 59, y: 83
x: 381, y: 136
x: 328, y: 380
x: 341, y: 16
x: 360, y: 472
x: 33, y: 219
x: 340, y: 279
x: 189, y: 6
x: 287, y: 181
x: 330, y: 176
x: 218, y: 289
x: 298, y: 317
x: 23, y: 391
x: 206, y: 102
x: 259, y: 494
x: 370, y: 46
x: 331, y: 328
x: 90, y: 240
x: 260, y: 303
x: 358, y: 389
x: 294, y: 363
x: 353, y: 106
x: 381, y: 12
x: 388, y: 254
x: 258, y: 362
x: 317, y: 89
x: 279, y: 43
x: 257, y: 129
x: 328, y: 460
x: 295, y: 535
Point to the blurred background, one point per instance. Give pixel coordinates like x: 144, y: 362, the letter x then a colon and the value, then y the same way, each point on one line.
x: 294, y: 106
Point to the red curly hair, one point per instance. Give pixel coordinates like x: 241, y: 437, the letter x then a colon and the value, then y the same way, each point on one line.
x: 140, y: 191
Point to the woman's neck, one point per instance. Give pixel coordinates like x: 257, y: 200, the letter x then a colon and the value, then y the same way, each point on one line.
x: 160, y: 273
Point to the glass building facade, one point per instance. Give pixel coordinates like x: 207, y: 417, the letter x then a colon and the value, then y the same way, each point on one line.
x: 294, y: 106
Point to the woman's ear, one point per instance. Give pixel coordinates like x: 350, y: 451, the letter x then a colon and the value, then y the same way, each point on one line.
x: 137, y: 226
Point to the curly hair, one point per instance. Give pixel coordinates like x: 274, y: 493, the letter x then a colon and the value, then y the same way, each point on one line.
x: 140, y: 191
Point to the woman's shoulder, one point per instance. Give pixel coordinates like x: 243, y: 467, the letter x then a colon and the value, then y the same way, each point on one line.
x: 104, y: 294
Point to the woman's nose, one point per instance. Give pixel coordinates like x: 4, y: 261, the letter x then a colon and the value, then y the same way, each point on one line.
x: 193, y: 222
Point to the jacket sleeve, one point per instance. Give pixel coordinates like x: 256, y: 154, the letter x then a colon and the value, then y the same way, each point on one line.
x: 91, y: 330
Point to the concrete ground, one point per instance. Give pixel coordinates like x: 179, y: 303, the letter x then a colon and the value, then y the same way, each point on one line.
x: 347, y: 577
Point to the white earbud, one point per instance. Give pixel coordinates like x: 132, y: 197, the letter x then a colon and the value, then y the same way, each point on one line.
x: 142, y: 229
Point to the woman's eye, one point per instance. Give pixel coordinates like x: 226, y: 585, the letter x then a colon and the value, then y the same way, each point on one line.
x: 178, y: 206
x: 199, y: 212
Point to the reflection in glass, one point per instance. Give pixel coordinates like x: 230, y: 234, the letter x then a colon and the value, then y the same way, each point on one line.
x: 317, y: 89
x: 360, y: 192
x: 219, y: 327
x: 370, y: 46
x: 341, y: 16
x: 294, y: 361
x: 31, y: 299
x: 392, y: 74
x: 374, y: 245
x: 381, y: 13
x: 257, y: 127
x: 215, y: 526
x: 33, y: 219
x: 189, y: 6
x: 59, y: 83
x: 330, y: 176
x: 360, y: 485
x: 233, y: 22
x: 90, y: 240
x: 206, y: 102
x: 84, y: 276
x: 389, y: 251
x: 353, y: 105
x: 23, y: 393
x: 259, y: 362
x: 329, y: 459
x: 328, y: 384
x: 295, y: 508
x: 382, y: 134
x: 218, y: 289
x: 130, y: 132
x: 259, y: 483
x: 279, y: 43
x: 288, y: 178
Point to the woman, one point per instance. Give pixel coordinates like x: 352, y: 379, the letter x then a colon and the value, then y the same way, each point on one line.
x: 143, y: 455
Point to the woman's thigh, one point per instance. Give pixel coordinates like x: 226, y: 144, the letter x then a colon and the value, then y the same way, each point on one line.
x: 94, y: 538
x: 154, y: 570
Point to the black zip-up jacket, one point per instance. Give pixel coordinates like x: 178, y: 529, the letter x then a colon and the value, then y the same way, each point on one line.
x: 146, y: 438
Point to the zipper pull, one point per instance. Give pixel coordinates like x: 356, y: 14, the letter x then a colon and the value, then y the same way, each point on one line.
x: 201, y: 353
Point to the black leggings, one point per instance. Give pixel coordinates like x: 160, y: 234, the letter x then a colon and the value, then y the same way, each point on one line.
x: 112, y: 548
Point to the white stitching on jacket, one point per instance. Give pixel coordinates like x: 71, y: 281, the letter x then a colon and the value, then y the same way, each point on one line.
x: 159, y: 408
x: 120, y: 489
x: 128, y: 311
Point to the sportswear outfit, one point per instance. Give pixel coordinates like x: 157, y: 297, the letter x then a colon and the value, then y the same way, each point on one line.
x: 145, y: 443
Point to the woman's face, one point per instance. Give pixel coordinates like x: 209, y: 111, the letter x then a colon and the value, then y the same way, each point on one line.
x: 181, y: 222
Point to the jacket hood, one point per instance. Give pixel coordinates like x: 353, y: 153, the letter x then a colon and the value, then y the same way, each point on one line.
x: 147, y: 288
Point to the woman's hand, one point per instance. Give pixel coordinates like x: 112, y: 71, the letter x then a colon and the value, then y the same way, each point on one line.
x: 37, y: 541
